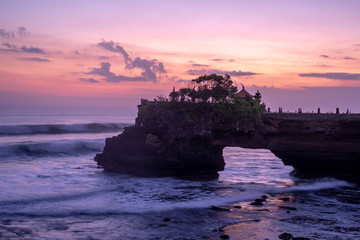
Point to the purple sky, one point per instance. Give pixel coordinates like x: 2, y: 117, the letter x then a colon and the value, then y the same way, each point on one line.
x: 297, y: 53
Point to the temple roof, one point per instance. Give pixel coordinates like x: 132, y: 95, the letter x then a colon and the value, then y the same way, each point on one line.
x: 243, y: 93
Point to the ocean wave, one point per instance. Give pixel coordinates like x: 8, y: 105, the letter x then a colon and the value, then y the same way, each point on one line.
x: 139, y: 198
x: 326, y: 183
x: 77, y: 204
x: 58, y: 147
x: 10, y: 130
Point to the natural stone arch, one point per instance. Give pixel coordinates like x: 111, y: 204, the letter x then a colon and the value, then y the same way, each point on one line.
x: 175, y: 144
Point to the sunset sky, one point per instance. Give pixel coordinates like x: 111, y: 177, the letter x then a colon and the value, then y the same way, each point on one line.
x: 112, y: 53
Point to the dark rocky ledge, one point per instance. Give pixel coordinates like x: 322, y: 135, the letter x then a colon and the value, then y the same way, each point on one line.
x: 186, y: 140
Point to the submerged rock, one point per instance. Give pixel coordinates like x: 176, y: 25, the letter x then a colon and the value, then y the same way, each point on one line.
x: 166, y: 219
x: 219, y: 208
x: 287, y: 208
x: 258, y: 202
x: 285, y: 199
x: 286, y: 236
x: 224, y: 236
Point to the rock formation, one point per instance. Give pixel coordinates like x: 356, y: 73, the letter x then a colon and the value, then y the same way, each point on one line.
x: 326, y: 144
x: 186, y: 140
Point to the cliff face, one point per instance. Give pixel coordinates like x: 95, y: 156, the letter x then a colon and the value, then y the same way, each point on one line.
x: 319, y: 143
x: 186, y: 140
x: 168, y: 139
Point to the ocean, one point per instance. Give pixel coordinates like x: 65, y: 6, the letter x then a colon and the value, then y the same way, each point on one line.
x: 51, y: 188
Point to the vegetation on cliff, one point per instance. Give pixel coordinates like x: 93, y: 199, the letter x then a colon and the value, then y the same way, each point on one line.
x: 212, y: 102
x: 206, y: 88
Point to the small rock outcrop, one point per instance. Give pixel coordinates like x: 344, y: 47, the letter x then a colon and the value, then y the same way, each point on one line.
x: 185, y: 139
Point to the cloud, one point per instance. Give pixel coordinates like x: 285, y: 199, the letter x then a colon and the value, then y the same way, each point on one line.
x: 35, y: 59
x: 239, y: 73
x: 357, y: 47
x: 182, y: 81
x: 103, y: 58
x: 21, y: 32
x: 90, y: 80
x: 199, y: 65
x: 323, y: 66
x: 334, y: 76
x: 6, y: 34
x: 9, y: 46
x: 14, y: 48
x: 349, y: 58
x: 346, y: 57
x: 150, y: 67
x: 32, y: 50
x: 216, y: 71
x: 104, y: 71
x: 222, y: 60
x: 113, y: 47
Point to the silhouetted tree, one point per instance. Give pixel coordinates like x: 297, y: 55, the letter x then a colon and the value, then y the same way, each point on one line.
x: 258, y: 96
x: 183, y: 93
x: 211, y: 87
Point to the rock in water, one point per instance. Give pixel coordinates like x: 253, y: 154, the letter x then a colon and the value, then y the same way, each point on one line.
x: 286, y: 236
x: 185, y: 139
x: 166, y: 219
x: 224, y: 236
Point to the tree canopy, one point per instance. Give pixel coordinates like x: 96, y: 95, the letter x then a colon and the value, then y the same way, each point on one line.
x: 207, y: 88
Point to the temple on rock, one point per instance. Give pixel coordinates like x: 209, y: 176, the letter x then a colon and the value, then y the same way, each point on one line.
x: 184, y: 135
x: 243, y: 94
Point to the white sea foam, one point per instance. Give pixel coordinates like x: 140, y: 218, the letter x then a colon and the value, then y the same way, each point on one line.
x: 9, y: 130
x: 56, y: 147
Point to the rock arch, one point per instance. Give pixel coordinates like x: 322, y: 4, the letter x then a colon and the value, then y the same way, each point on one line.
x: 181, y: 146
